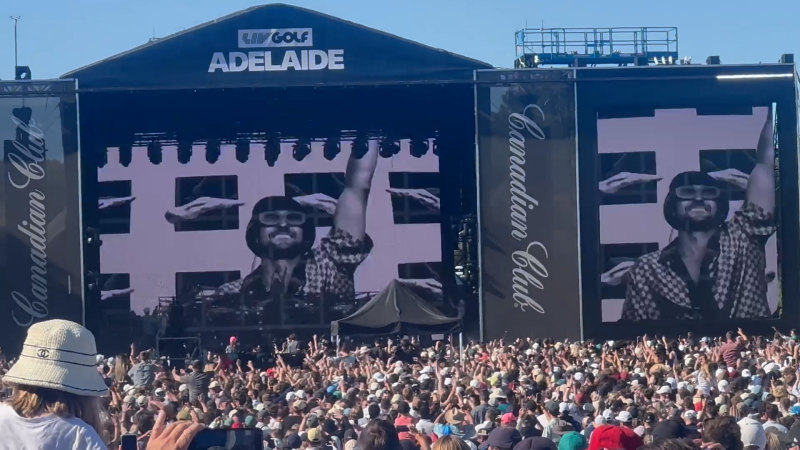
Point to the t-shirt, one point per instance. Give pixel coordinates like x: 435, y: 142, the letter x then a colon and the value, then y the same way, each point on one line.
x: 143, y: 373
x: 730, y: 352
x: 197, y: 382
x: 48, y: 432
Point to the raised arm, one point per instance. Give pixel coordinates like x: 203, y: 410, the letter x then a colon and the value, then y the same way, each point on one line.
x: 761, y: 184
x: 351, y: 208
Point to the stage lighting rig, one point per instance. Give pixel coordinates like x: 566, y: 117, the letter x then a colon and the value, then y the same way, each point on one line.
x: 212, y: 150
x: 184, y: 151
x: 242, y: 150
x: 125, y: 154
x: 419, y: 147
x: 360, y: 146
x: 331, y: 148
x: 301, y: 149
x: 272, y: 149
x: 389, y: 147
x: 154, y: 153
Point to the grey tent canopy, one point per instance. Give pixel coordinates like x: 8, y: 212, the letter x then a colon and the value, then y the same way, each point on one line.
x: 396, y: 309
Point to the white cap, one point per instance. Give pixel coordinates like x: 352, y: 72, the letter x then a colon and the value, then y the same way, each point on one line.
x: 578, y: 376
x: 426, y: 369
x: 474, y: 383
x: 681, y: 385
x: 127, y: 388
x: 182, y: 388
x: 722, y: 386
x: 141, y: 400
x: 300, y: 394
x: 690, y: 414
x: 290, y: 397
x: 608, y: 414
x: 159, y: 391
x: 99, y: 358
x: 720, y: 373
x: 600, y: 420
x: 664, y: 390
x: 639, y: 431
x: 213, y: 384
x: 752, y: 433
x: 624, y: 417
x: 746, y: 373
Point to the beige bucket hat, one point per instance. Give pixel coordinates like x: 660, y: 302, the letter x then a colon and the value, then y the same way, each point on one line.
x: 59, y: 354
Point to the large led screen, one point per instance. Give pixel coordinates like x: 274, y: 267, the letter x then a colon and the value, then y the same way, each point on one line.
x: 267, y: 231
x: 688, y: 214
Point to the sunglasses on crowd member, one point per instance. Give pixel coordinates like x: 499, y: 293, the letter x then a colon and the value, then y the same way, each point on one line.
x: 272, y: 218
x: 693, y: 192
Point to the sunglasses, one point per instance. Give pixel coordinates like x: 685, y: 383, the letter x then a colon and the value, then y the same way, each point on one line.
x: 693, y: 192
x: 272, y: 218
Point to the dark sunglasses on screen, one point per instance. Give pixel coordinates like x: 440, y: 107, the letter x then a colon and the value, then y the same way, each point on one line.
x: 693, y: 192
x: 273, y: 218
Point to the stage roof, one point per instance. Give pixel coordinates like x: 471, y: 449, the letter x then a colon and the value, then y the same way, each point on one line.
x: 275, y: 45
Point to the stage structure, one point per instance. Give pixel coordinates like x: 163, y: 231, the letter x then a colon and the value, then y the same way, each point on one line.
x: 270, y: 171
x: 596, y: 184
x: 41, y: 271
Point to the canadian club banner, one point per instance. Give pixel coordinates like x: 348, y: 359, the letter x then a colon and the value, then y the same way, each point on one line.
x: 40, y: 235
x: 528, y: 204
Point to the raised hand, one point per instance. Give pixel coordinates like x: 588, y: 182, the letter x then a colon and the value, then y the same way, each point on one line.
x: 429, y: 285
x: 623, y: 180
x: 199, y: 206
x: 616, y: 275
x: 318, y: 201
x: 112, y: 293
x: 731, y: 176
x: 422, y: 196
x: 104, y: 203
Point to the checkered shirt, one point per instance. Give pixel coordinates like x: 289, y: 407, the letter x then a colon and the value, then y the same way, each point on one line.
x: 736, y: 271
x: 329, y: 268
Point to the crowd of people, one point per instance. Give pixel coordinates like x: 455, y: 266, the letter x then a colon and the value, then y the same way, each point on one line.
x: 736, y: 392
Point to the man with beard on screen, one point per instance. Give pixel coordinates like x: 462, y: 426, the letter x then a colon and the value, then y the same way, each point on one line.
x: 281, y: 233
x: 713, y: 270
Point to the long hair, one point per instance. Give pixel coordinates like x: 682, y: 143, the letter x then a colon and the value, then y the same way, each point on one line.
x: 29, y: 402
x: 120, y: 368
x: 450, y: 443
x: 379, y: 435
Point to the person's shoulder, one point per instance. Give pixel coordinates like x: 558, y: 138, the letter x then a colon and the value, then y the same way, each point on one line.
x: 86, y: 435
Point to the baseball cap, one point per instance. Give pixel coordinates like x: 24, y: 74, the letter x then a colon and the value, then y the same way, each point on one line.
x: 552, y: 407
x: 504, y: 438
x: 508, y: 418
x: 664, y: 390
x: 614, y: 437
x: 624, y: 417
x: 314, y: 435
x: 752, y: 433
x: 572, y: 440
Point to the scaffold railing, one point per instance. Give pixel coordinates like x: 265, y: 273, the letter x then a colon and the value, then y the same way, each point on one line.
x: 585, y: 46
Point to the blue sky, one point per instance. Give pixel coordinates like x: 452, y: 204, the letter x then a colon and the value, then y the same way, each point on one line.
x: 57, y: 35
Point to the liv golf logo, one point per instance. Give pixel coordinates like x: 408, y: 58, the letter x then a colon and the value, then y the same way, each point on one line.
x: 276, y: 60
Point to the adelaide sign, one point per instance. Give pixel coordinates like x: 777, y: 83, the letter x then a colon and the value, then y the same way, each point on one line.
x: 276, y: 60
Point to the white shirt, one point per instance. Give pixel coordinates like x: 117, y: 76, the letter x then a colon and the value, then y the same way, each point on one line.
x: 48, y: 432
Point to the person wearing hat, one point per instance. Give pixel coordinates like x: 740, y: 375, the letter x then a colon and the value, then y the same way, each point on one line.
x: 573, y: 441
x: 610, y: 437
x: 696, y: 207
x: 503, y: 438
x: 55, y: 403
x: 551, y: 411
